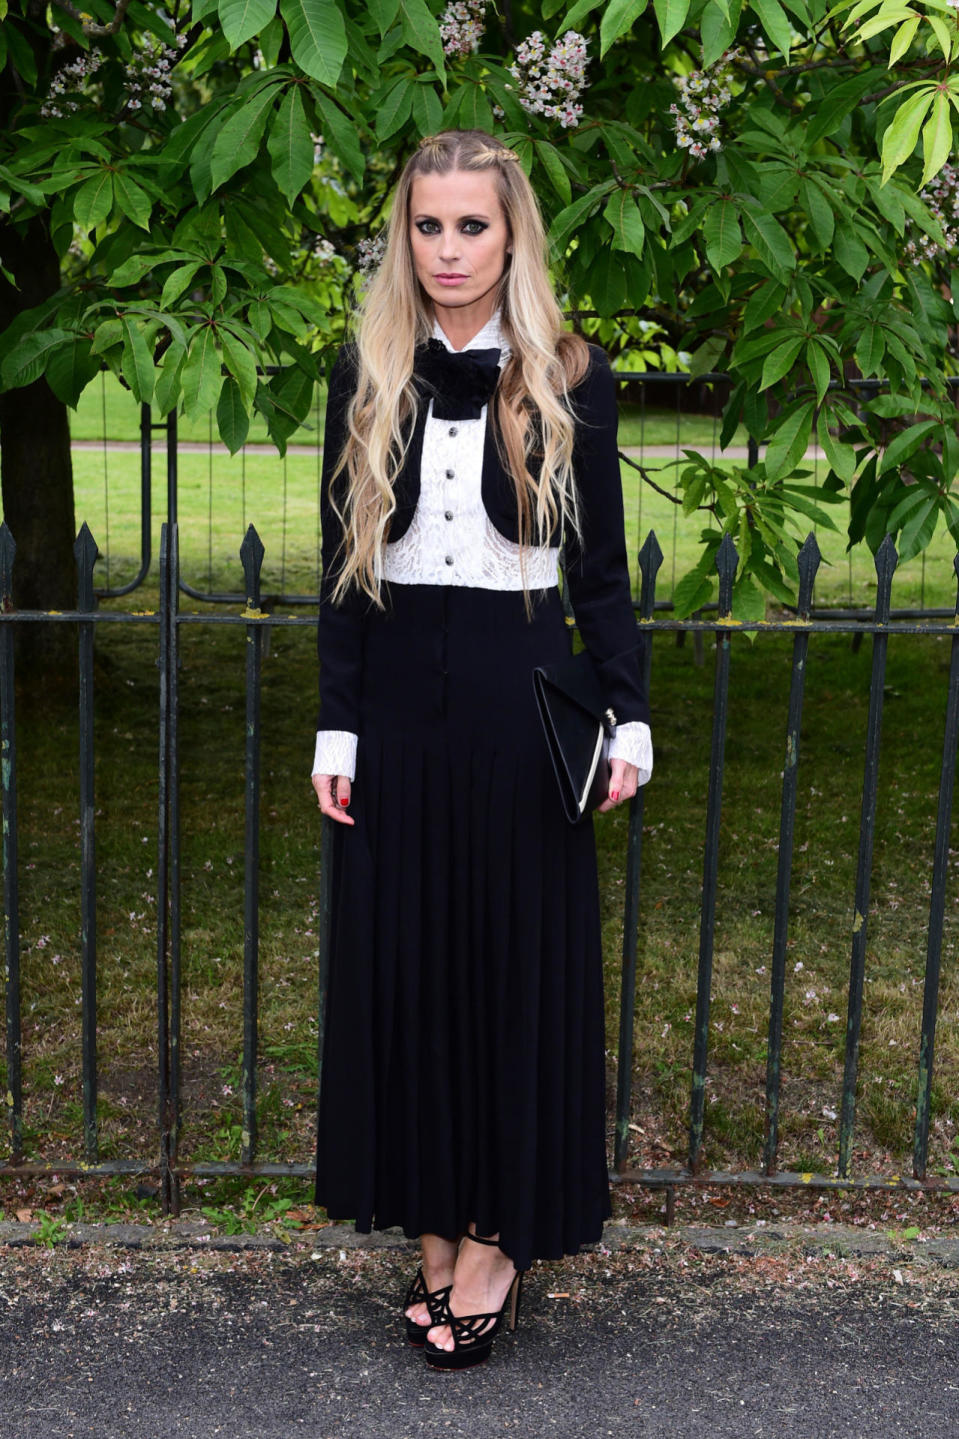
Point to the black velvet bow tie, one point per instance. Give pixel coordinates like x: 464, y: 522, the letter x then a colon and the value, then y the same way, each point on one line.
x: 460, y: 381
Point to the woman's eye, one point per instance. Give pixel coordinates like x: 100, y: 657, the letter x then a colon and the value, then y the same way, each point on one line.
x: 474, y: 227
x: 427, y: 227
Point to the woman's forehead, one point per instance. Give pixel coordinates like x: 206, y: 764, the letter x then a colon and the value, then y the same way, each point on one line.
x: 458, y: 191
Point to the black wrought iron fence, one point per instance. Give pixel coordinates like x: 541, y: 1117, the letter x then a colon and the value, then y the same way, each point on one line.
x: 168, y: 623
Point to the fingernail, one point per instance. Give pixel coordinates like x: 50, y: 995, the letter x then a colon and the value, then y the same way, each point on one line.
x: 614, y: 794
x: 344, y: 802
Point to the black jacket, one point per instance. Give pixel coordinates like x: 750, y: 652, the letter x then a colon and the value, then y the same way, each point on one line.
x: 597, y: 572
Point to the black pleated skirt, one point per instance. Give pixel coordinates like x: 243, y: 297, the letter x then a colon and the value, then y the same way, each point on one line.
x: 463, y: 1072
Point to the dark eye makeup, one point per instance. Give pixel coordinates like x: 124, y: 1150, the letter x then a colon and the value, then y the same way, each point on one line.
x: 469, y: 227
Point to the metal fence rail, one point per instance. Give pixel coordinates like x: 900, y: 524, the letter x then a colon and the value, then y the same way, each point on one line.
x: 169, y: 621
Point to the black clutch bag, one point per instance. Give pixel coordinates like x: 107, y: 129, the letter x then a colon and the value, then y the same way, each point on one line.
x: 577, y: 726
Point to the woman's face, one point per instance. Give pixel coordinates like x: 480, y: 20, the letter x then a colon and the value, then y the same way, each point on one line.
x: 459, y: 239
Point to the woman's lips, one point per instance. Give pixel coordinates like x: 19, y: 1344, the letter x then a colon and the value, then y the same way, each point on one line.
x: 450, y: 279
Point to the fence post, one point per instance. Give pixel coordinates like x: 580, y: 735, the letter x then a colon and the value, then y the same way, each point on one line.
x: 168, y: 879
x: 808, y: 560
x: 251, y: 554
x: 85, y: 552
x: 10, y: 841
x: 937, y: 903
x: 650, y: 560
x: 886, y: 561
x: 727, y: 560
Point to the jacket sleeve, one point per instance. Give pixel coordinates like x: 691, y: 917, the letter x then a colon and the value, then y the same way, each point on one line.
x: 597, y: 571
x: 341, y: 628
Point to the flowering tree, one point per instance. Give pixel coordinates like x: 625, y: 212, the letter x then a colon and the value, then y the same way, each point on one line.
x: 187, y: 194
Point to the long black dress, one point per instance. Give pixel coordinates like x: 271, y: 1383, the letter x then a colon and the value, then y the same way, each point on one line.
x: 464, y: 1072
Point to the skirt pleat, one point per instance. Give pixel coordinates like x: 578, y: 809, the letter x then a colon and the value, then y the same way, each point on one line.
x: 464, y: 1073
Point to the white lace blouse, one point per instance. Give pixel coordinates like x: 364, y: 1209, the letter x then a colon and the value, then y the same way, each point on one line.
x: 451, y: 541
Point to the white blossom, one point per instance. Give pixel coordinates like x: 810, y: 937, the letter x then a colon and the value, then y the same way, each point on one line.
x: 371, y: 253
x: 551, y: 83
x: 67, y: 82
x: 701, y: 96
x: 461, y: 26
x: 942, y: 198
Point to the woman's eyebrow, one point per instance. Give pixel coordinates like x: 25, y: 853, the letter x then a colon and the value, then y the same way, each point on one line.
x: 475, y: 215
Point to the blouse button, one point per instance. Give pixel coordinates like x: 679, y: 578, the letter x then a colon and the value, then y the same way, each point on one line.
x: 449, y: 514
x: 453, y: 432
x: 450, y: 474
x: 449, y: 559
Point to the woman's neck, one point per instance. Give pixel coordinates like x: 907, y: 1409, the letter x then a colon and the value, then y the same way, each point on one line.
x: 460, y: 324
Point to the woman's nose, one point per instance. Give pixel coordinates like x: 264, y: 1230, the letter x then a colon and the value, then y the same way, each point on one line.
x: 449, y: 245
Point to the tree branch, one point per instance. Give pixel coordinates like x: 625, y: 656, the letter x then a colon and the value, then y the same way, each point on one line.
x: 644, y: 473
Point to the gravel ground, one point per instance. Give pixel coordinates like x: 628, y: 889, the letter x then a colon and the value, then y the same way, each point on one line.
x: 700, y: 1332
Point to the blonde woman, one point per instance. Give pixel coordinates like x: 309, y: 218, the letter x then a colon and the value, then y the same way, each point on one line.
x: 463, y: 1080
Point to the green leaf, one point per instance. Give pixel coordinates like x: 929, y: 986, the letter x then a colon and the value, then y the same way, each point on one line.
x: 724, y: 238
x: 70, y: 369
x: 394, y: 109
x: 704, y: 359
x: 936, y: 138
x: 850, y: 252
x: 719, y: 26
x: 942, y: 33
x: 770, y: 241
x: 555, y: 169
x: 290, y: 145
x: 607, y: 282
x: 137, y: 363
x: 869, y: 348
x: 693, y: 491
x: 919, y: 530
x: 819, y: 210
x: 384, y: 12
x: 232, y: 420
x: 905, y: 444
x: 818, y: 368
x: 93, y: 201
x: 762, y: 305
x: 692, y: 592
x: 790, y: 442
x: 618, y: 17
x: 902, y: 132
x: 422, y: 32
x: 176, y: 282
x: 629, y: 232
x: 200, y: 378
x: 427, y: 110
x: 775, y: 22
x: 839, y: 102
x: 317, y: 37
x: 841, y: 457
x: 238, y: 141
x: 568, y: 221
x: 780, y: 361
x: 241, y: 362
x: 132, y: 200
x: 27, y: 361
x: 577, y: 13
x: 749, y: 602
x: 671, y: 15
x: 166, y: 391
x: 902, y: 39
x: 341, y: 135
x: 242, y: 19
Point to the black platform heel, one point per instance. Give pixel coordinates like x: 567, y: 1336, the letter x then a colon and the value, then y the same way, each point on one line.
x: 473, y: 1334
x: 436, y: 1301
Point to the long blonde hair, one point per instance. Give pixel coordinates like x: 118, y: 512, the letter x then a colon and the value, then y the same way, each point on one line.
x: 534, y: 420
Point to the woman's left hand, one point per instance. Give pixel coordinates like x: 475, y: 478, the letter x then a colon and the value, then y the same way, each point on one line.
x: 622, y: 784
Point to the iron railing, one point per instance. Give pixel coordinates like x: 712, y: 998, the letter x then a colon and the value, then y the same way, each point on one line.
x: 169, y: 621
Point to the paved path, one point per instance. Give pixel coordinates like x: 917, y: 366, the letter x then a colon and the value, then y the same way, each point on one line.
x: 649, y: 1339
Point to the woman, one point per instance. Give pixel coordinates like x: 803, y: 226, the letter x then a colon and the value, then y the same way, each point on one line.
x: 464, y: 1080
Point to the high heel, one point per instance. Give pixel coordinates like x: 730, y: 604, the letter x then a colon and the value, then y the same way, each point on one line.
x: 437, y: 1303
x: 473, y: 1334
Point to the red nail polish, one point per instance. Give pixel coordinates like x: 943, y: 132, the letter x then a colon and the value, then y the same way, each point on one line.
x: 344, y: 802
x: 614, y: 795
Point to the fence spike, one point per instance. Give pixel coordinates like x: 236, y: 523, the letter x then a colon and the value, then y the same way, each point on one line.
x: 85, y: 552
x: 650, y: 561
x: 727, y: 562
x: 251, y: 554
x: 808, y: 560
x: 8, y: 549
x: 887, y: 559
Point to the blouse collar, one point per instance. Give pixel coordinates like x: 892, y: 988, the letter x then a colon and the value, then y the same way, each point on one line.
x: 490, y: 337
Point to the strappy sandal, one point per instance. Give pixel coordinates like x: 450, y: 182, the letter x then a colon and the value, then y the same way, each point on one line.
x: 473, y: 1334
x: 437, y: 1303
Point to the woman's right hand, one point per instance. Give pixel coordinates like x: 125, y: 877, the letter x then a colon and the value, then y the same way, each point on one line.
x: 333, y: 793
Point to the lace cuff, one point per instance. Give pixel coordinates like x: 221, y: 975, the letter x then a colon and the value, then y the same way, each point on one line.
x: 336, y: 753
x: 633, y: 742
